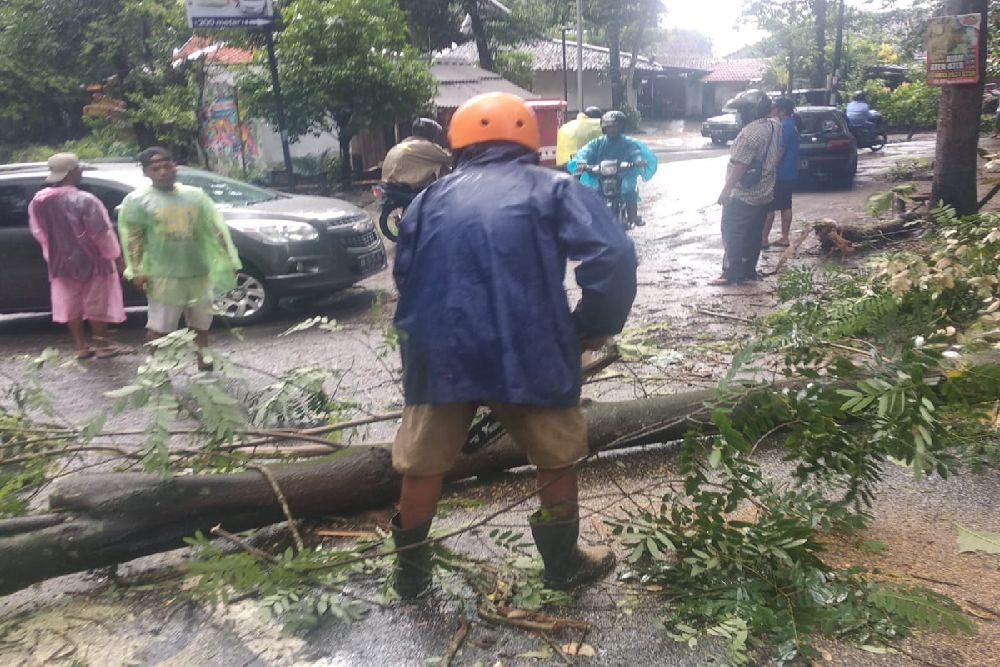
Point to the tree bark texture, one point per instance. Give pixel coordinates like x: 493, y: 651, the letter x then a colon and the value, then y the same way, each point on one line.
x: 956, y: 160
x: 479, y: 33
x: 107, y: 518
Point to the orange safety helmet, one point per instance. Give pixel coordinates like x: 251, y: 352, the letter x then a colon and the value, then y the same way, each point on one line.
x: 494, y: 117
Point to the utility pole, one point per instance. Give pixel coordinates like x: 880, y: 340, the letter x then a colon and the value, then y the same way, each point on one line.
x: 579, y: 56
x: 565, y: 70
x: 838, y: 52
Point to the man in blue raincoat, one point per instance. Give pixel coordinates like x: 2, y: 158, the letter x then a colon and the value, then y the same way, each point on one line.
x: 614, y: 145
x: 484, y: 320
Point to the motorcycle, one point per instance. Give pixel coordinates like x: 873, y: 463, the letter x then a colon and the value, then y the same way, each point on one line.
x: 392, y: 200
x: 610, y: 174
x: 871, y: 135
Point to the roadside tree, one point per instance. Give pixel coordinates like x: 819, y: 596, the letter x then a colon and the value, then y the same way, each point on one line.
x: 345, y: 65
x: 956, y: 158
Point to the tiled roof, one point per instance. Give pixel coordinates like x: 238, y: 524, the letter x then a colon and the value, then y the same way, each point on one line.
x: 216, y: 53
x: 459, y: 82
x: 546, y: 56
x: 686, y: 61
x: 737, y: 69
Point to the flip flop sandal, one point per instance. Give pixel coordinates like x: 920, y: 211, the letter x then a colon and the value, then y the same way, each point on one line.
x: 720, y: 281
x: 781, y: 244
x: 111, y: 351
x: 84, y: 354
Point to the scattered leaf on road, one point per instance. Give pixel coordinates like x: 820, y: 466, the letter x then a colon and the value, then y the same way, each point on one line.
x: 974, y: 540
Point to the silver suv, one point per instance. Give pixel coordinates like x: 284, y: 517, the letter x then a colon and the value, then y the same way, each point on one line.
x: 290, y: 245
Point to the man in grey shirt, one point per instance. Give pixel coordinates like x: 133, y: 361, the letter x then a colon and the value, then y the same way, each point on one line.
x: 749, y: 188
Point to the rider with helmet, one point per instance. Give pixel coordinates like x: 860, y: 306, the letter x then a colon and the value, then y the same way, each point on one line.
x: 483, y: 320
x: 417, y: 161
x: 614, y: 145
x: 858, y: 112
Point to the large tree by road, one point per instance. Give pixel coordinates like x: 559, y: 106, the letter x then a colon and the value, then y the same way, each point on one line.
x: 956, y: 159
x: 345, y: 65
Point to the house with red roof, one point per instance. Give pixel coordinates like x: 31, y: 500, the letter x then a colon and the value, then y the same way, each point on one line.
x: 729, y: 77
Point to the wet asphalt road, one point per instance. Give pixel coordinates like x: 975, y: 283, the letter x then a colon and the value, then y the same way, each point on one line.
x: 679, y: 251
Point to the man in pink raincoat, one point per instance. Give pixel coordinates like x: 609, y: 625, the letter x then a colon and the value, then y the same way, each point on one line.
x: 80, y: 247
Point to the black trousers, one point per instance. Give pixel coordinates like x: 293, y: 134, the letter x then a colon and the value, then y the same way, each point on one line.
x: 742, y: 226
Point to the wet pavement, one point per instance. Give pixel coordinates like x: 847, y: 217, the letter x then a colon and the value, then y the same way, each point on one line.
x: 87, y: 619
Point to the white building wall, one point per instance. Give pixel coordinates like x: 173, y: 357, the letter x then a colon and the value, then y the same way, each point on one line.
x: 596, y: 89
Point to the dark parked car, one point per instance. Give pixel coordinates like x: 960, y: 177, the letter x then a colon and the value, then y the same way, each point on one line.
x: 290, y: 245
x: 723, y: 128
x: 828, y: 152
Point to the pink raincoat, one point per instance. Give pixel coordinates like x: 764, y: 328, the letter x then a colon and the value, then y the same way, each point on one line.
x: 80, y: 247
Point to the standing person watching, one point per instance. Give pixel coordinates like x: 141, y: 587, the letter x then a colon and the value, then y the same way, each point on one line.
x: 484, y: 320
x: 749, y: 189
x: 80, y: 248
x: 786, y: 175
x: 177, y: 250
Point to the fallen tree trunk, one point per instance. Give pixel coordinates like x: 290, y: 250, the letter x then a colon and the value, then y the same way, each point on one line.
x: 844, y: 237
x: 102, y: 519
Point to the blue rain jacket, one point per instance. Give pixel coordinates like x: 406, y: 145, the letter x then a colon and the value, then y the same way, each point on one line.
x: 480, y: 265
x: 621, y: 148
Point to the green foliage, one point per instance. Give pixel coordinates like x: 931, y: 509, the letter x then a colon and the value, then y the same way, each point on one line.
x: 633, y: 118
x: 299, y: 588
x: 515, y: 66
x: 361, y: 75
x: 911, y: 105
x: 50, y: 49
x: 739, y: 556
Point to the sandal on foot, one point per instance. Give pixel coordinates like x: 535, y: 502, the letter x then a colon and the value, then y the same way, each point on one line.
x: 721, y: 280
x: 781, y: 243
x: 84, y: 354
x: 109, y: 351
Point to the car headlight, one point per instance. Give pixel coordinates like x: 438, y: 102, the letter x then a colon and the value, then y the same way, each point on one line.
x: 276, y: 231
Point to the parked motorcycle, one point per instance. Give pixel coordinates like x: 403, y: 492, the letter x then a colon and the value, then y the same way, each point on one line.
x: 873, y: 134
x: 393, y: 200
x: 610, y: 173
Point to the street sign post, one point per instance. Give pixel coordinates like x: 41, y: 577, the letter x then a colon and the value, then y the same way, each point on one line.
x: 230, y: 13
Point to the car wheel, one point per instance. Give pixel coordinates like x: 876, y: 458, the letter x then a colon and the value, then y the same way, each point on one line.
x: 716, y: 141
x: 250, y: 302
x: 846, y: 180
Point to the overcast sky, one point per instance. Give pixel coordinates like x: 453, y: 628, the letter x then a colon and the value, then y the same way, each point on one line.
x: 720, y: 20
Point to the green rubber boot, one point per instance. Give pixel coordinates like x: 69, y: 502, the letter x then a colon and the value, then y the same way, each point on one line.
x: 413, y: 566
x: 567, y: 564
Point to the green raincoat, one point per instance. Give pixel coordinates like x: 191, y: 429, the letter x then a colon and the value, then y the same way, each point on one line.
x: 179, y: 241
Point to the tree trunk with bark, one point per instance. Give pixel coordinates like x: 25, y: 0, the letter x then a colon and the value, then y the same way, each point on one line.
x: 479, y: 33
x: 102, y: 519
x: 956, y: 159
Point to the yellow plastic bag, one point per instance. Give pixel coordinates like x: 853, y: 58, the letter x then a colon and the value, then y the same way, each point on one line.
x: 574, y: 135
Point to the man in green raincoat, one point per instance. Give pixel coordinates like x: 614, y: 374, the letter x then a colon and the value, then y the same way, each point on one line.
x: 177, y: 250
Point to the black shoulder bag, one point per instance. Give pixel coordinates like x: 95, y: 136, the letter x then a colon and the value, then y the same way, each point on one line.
x: 755, y: 170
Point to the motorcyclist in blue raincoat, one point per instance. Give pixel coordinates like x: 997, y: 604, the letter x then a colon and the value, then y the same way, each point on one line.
x: 484, y: 320
x: 614, y: 145
x: 858, y: 112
